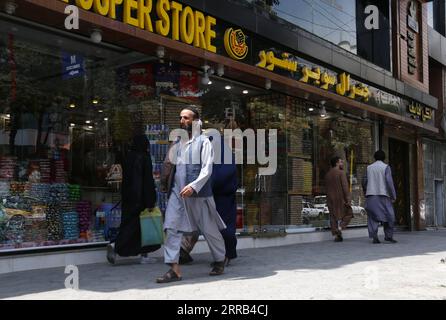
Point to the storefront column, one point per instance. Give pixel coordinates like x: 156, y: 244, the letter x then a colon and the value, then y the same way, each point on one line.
x: 419, y: 210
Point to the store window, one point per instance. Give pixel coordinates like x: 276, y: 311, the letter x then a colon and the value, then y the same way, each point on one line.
x: 69, y: 110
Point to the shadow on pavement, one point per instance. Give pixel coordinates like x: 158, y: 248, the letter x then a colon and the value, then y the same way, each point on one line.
x: 251, y: 264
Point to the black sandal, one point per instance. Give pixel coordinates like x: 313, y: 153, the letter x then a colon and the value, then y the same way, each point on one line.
x: 169, y: 276
x: 218, y: 269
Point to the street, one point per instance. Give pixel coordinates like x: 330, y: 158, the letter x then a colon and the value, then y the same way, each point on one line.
x: 354, y: 269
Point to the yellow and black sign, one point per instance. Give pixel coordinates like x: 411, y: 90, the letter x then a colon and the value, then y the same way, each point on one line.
x: 235, y: 44
x: 164, y: 17
x: 420, y: 112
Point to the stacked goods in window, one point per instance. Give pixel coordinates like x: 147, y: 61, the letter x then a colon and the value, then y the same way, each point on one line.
x: 59, y: 173
x: 70, y: 220
x: 84, y: 210
x: 307, y: 142
x: 36, y: 228
x: 38, y: 191
x: 7, y: 168
x: 365, y: 148
x: 297, y: 177
x: 15, y: 229
x: 17, y: 188
x: 74, y: 192
x: 308, y: 177
x: 295, y: 210
x: 58, y: 203
x: 54, y: 222
x: 45, y: 170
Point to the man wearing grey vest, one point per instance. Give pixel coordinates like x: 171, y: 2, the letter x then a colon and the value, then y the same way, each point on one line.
x: 191, y: 205
x: 380, y: 194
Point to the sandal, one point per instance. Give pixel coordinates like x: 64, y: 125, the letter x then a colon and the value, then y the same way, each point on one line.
x: 227, y: 262
x: 218, y: 269
x: 169, y: 276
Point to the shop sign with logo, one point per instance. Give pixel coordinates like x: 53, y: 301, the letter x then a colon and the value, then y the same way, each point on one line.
x: 166, y: 18
x: 235, y: 44
x: 419, y: 112
x: 182, y: 23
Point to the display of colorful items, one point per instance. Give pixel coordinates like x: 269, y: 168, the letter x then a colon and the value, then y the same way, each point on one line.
x: 70, y: 221
x: 7, y: 168
x: 15, y: 228
x: 45, y: 170
x: 54, y: 222
x: 38, y: 191
x: 74, y: 192
x: 59, y: 173
x: 35, y: 229
x: 83, y: 208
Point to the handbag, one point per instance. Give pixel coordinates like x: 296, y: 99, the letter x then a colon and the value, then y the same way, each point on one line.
x: 152, y: 232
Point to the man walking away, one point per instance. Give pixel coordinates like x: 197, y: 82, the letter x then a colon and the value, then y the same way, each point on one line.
x: 380, y: 194
x: 338, y: 198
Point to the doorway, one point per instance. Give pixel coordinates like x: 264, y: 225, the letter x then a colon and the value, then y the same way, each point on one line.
x: 399, y: 163
x: 439, y: 203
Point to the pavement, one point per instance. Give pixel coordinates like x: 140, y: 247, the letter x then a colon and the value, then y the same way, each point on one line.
x: 355, y: 269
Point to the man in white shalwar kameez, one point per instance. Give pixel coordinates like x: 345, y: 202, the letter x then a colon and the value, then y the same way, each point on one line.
x: 191, y: 205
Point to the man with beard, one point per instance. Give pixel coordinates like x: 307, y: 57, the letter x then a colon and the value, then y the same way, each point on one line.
x: 338, y: 198
x: 191, y: 205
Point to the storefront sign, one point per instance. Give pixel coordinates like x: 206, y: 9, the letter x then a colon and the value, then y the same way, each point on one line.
x: 412, y: 31
x: 235, y: 44
x: 166, y: 18
x: 420, y: 112
x: 269, y: 61
x: 314, y: 75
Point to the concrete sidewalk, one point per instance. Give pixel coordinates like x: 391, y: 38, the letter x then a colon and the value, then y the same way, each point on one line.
x: 354, y: 269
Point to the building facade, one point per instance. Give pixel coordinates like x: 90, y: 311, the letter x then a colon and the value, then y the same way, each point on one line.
x: 311, y: 73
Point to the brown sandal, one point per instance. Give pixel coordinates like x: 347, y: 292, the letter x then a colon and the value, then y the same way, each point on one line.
x: 169, y: 276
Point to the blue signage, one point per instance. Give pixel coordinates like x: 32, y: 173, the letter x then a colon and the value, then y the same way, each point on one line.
x: 73, y: 65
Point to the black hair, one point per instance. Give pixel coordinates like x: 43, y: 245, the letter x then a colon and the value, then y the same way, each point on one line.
x: 380, y: 155
x: 334, y: 161
x: 194, y: 110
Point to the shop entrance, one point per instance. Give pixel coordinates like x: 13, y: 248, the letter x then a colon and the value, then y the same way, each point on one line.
x: 439, y: 203
x: 399, y: 162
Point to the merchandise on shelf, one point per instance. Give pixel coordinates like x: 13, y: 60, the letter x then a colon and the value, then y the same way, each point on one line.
x: 54, y: 222
x: 59, y: 173
x: 8, y: 168
x: 45, y: 170
x: 74, y: 192
x: 83, y: 208
x: 15, y: 229
x: 35, y: 229
x: 70, y: 222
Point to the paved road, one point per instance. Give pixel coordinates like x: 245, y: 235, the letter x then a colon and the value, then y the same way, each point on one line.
x: 354, y: 269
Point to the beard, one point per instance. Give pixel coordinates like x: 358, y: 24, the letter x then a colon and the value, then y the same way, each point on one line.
x: 186, y: 127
